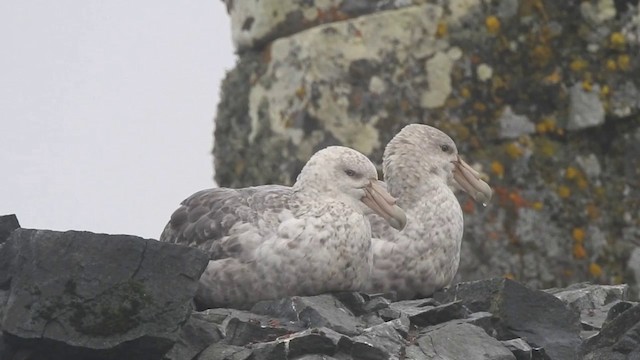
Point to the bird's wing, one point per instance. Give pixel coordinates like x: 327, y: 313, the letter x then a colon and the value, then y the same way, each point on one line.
x: 228, y: 222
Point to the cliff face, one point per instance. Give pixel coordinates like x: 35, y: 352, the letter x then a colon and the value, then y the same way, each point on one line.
x: 542, y: 96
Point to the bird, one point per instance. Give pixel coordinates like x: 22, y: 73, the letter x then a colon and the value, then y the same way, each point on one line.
x: 271, y: 241
x: 421, y: 167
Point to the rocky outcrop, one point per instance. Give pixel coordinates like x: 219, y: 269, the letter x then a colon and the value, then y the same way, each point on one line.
x: 93, y: 296
x: 79, y: 295
x: 542, y: 96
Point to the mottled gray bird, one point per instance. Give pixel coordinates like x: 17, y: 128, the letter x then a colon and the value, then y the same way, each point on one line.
x: 271, y: 241
x: 420, y: 165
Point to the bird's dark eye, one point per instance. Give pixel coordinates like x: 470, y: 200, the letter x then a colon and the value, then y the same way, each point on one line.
x: 350, y: 172
x: 445, y: 148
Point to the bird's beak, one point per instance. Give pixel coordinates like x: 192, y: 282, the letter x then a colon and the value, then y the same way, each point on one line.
x: 382, y: 203
x: 469, y: 180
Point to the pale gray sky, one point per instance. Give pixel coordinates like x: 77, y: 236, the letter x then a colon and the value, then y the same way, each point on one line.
x: 106, y: 110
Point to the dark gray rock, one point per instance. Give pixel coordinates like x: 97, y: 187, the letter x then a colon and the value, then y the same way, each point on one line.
x: 219, y: 351
x: 314, y: 341
x: 197, y: 334
x: 618, y: 339
x: 539, y: 318
x: 352, y: 300
x: 520, y: 349
x: 242, y: 328
x: 315, y: 357
x: 460, y: 340
x: 422, y: 313
x: 314, y: 311
x: 382, y: 341
x: 83, y: 295
x: 8, y: 223
x: 376, y: 304
x: 273, y: 350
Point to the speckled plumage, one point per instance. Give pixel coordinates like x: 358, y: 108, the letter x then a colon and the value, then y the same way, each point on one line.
x: 418, y: 169
x: 272, y: 241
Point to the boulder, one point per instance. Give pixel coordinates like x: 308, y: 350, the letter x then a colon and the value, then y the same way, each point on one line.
x: 84, y: 295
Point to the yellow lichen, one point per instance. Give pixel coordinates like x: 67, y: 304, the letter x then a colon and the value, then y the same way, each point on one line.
x: 617, y: 40
x: 571, y: 173
x: 546, y: 125
x: 578, y: 65
x: 538, y: 205
x: 595, y: 270
x: 541, y: 55
x: 493, y: 24
x: 579, y: 252
x: 582, y: 183
x: 605, y: 91
x: 465, y: 93
x: 509, y: 276
x: 592, y: 211
x: 578, y: 234
x: 624, y: 62
x: 497, y: 168
x: 442, y: 29
x: 611, y: 65
x: 301, y: 92
x: 587, y: 86
x: 513, y: 150
x: 564, y: 191
x: 546, y: 147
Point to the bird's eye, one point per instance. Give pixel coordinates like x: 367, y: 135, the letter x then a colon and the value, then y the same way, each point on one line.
x: 350, y: 172
x: 445, y: 148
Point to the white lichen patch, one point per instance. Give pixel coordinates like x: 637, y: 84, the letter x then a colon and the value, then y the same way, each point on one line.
x: 438, y: 70
x: 598, y: 12
x: 513, y: 125
x: 306, y: 87
x: 484, y: 72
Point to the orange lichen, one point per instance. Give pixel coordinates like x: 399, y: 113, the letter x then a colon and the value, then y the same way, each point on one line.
x: 571, y: 173
x: 497, y: 168
x: 538, y: 205
x: 493, y: 24
x: 611, y: 65
x: 469, y: 206
x: 595, y: 270
x: 624, y: 62
x: 564, y: 191
x: 578, y: 65
x: 480, y: 107
x: 465, y: 93
x: 517, y: 200
x: 578, y: 234
x: 579, y: 252
x: 513, y: 150
x: 546, y: 125
x: 617, y: 40
x: 442, y: 29
x: 553, y: 78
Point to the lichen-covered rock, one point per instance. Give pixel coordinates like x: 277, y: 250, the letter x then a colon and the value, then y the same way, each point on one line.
x: 83, y: 295
x: 541, y: 95
x: 256, y: 23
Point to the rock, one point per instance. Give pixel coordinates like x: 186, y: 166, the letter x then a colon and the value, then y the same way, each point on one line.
x: 83, y: 295
x: 314, y: 341
x: 421, y: 313
x: 219, y: 351
x: 8, y: 223
x: 539, y: 318
x: 584, y: 296
x: 459, y: 340
x: 618, y: 339
x: 376, y: 304
x: 352, y: 300
x: 382, y: 341
x: 253, y: 24
x: 196, y: 335
x: 313, y: 311
x: 242, y: 328
x: 519, y: 348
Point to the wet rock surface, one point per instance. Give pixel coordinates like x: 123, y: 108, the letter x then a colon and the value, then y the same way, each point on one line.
x: 78, y: 295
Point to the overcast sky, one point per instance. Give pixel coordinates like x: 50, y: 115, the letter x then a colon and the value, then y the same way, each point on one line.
x: 107, y: 110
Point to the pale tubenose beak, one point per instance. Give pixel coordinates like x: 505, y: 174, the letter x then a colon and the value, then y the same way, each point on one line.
x: 382, y: 203
x: 470, y: 181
